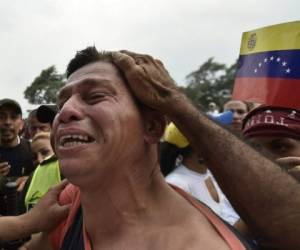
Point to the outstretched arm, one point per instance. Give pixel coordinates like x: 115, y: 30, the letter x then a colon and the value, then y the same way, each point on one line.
x: 266, y: 197
x: 43, y: 217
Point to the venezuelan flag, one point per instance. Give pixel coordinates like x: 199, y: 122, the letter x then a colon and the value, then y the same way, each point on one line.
x: 269, y: 66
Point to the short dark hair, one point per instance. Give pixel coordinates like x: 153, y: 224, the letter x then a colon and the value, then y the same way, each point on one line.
x: 168, y: 154
x: 87, y: 56
x: 32, y: 114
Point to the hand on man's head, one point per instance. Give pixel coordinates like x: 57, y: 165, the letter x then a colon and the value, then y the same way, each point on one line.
x: 148, y: 79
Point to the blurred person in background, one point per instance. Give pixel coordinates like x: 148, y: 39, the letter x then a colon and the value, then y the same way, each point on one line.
x: 15, y: 152
x: 239, y: 110
x: 212, y: 109
x: 47, y: 172
x: 276, y: 131
x: 41, y: 147
x: 34, y: 126
x: 185, y: 168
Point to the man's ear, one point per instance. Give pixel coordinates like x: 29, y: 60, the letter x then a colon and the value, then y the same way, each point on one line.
x: 155, y: 124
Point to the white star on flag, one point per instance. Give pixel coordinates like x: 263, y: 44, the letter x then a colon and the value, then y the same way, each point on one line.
x: 271, y: 58
x: 259, y: 65
x: 288, y: 70
x: 278, y: 59
x: 284, y: 63
x: 265, y: 60
x: 255, y: 71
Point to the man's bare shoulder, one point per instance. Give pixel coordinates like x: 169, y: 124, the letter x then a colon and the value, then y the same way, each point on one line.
x: 187, y: 228
x: 196, y: 235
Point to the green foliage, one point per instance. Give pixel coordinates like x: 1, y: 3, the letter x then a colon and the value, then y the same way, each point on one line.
x: 212, y: 82
x: 45, y: 87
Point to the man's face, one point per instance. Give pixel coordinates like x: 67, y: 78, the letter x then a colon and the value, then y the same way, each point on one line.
x: 11, y: 124
x: 279, y: 147
x: 34, y: 126
x: 239, y: 110
x: 98, y: 125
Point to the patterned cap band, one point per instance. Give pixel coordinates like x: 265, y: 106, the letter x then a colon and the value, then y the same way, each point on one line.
x: 272, y: 121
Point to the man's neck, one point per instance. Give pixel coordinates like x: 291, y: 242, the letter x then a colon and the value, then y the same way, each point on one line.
x: 130, y: 201
x: 131, y: 219
x: 125, y: 198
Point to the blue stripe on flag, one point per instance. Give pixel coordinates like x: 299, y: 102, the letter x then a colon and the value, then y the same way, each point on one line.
x: 275, y: 64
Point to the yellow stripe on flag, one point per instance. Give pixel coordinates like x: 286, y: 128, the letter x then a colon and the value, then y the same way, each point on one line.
x: 284, y: 36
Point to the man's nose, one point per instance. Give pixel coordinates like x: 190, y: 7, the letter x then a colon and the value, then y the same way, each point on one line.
x: 71, y: 110
x: 235, y: 114
x: 8, y: 120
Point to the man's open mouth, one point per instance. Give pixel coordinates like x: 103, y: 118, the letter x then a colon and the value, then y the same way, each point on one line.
x: 7, y: 132
x: 75, y: 140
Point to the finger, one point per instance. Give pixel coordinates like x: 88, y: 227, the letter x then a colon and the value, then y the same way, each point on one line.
x: 159, y: 62
x: 21, y: 186
x: 4, y: 170
x: 124, y: 61
x: 296, y: 168
x: 58, y: 214
x: 132, y: 54
x: 295, y: 172
x: 289, y: 160
x: 19, y: 181
x: 3, y: 164
x: 65, y: 208
x: 59, y: 187
x: 4, y: 173
x: 139, y: 58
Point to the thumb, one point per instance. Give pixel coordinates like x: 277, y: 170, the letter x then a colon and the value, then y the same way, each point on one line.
x: 63, y: 210
x: 59, y: 187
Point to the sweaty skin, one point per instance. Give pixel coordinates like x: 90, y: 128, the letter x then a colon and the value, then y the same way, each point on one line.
x: 97, y: 102
x: 43, y: 217
x: 139, y: 205
x: 266, y: 197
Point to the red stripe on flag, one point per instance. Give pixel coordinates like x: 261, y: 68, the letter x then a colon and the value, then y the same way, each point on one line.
x: 271, y: 91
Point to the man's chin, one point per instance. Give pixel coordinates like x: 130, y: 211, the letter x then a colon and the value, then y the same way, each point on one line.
x: 7, y: 139
x: 71, y: 167
x: 236, y: 126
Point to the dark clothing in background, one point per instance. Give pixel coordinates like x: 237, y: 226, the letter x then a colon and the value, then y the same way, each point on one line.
x: 19, y: 157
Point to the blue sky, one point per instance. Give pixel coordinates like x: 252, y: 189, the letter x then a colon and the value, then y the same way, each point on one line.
x: 183, y: 34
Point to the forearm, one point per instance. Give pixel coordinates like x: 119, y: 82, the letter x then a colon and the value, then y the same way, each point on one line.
x: 265, y: 196
x: 14, y: 227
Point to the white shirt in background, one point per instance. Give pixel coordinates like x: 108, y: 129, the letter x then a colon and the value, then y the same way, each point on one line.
x: 194, y: 184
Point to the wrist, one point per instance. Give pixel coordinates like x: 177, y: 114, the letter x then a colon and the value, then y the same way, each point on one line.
x: 181, y: 108
x: 29, y: 222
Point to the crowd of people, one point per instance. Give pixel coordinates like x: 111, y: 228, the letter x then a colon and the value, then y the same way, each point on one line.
x: 146, y: 168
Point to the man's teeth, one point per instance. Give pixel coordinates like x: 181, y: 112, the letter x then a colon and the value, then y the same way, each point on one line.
x: 74, y: 140
x: 80, y: 137
x: 72, y: 144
